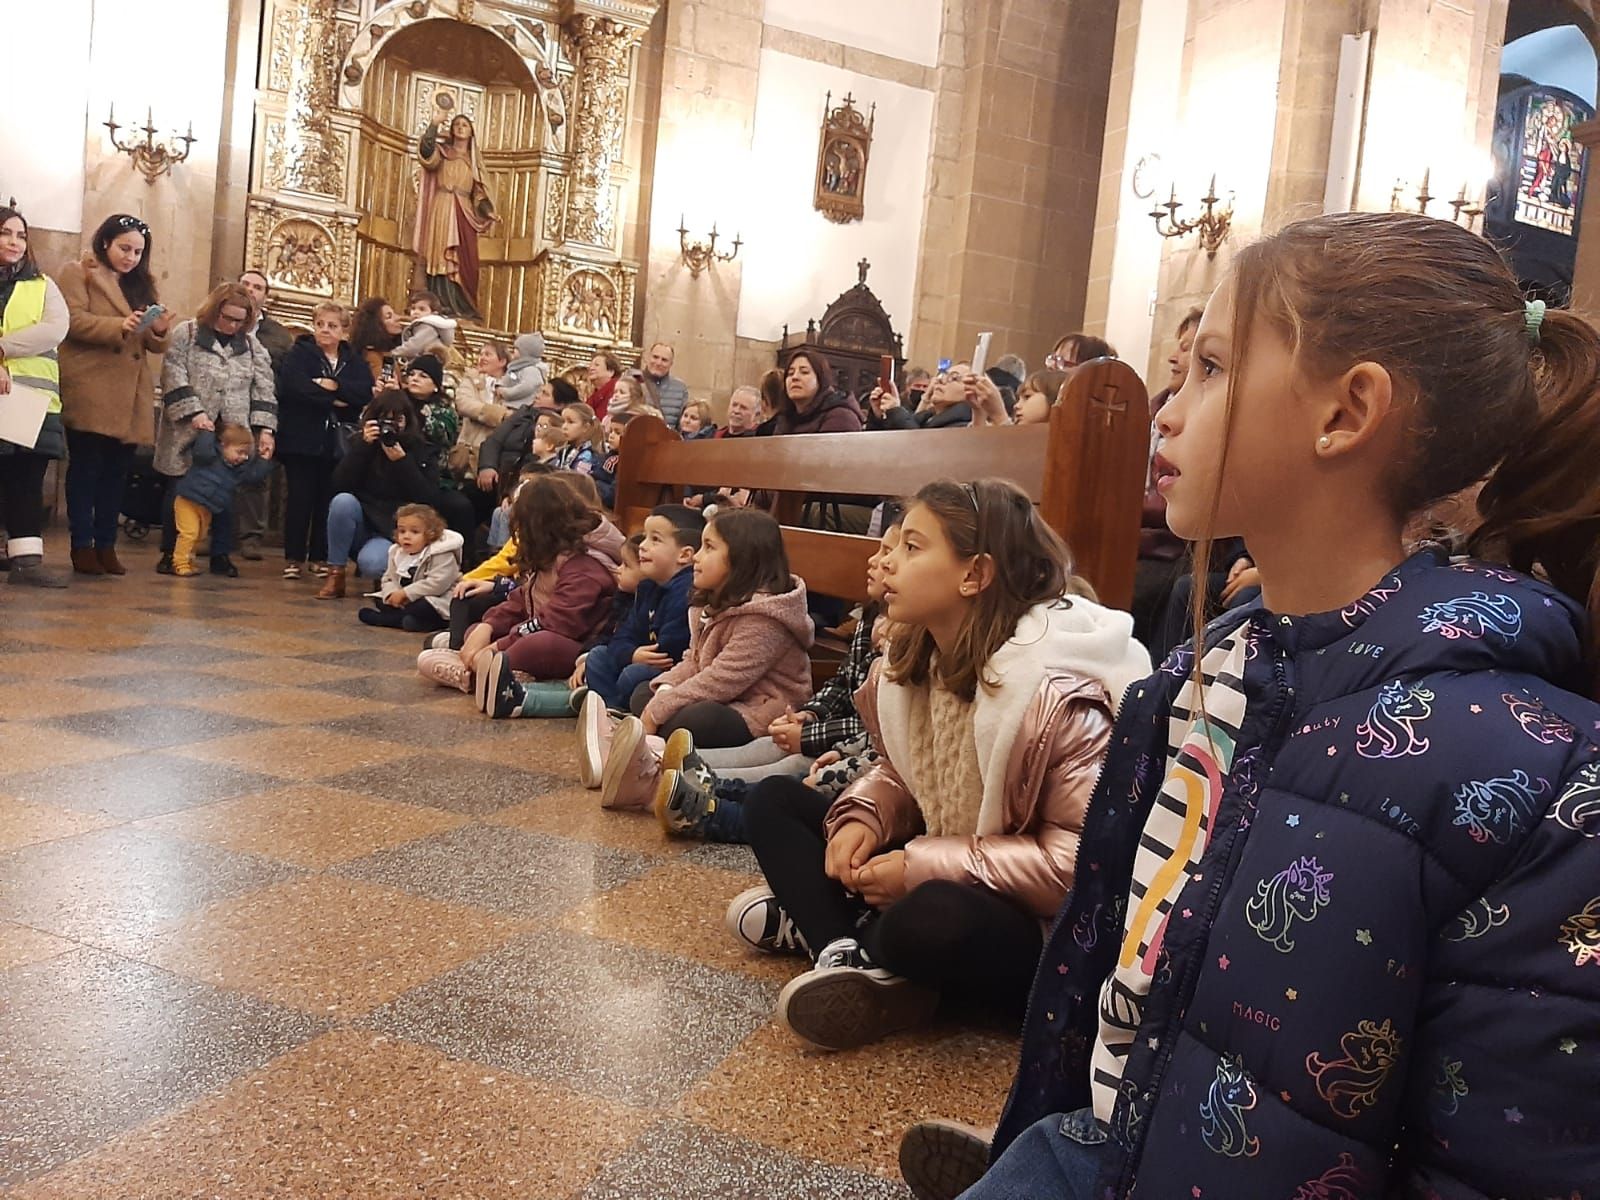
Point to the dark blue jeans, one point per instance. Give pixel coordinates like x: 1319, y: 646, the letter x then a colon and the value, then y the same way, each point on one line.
x: 1057, y: 1158
x: 97, y: 471
x: 613, y: 679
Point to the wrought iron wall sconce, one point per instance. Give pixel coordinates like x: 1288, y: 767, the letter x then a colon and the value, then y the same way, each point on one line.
x: 1462, y: 211
x: 1213, y: 223
x: 153, y: 159
x: 698, y: 254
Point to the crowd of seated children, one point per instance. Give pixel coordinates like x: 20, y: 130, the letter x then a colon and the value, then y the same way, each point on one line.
x: 935, y: 871
x: 746, y: 665
x: 1340, y: 932
x: 562, y: 552
x: 424, y: 565
x: 824, y: 742
x: 649, y: 627
x: 222, y: 461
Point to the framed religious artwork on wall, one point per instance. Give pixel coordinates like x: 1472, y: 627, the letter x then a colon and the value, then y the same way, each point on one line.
x: 842, y: 154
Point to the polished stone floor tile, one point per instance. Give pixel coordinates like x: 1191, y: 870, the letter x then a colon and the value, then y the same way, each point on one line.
x: 391, y: 687
x: 136, y: 785
x: 448, y: 724
x: 334, y: 947
x: 852, y: 1107
x: 156, y: 685
x: 289, y: 706
x: 43, y: 698
x: 444, y: 781
x: 676, y: 1160
x: 575, y: 812
x: 30, y: 747
x: 386, y: 651
x: 118, y: 887
x: 595, y: 1016
x: 23, y: 824
x: 20, y: 945
x: 526, y: 745
x: 46, y: 663
x: 303, y: 752
x: 678, y: 909
x: 184, y: 654
x: 358, y: 1115
x: 273, y: 672
x: 123, y: 1042
x: 501, y: 869
x: 304, y: 824
x: 157, y: 726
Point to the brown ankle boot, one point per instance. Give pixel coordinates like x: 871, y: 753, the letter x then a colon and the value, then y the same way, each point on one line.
x: 86, y: 562
x: 333, y: 585
x: 109, y: 562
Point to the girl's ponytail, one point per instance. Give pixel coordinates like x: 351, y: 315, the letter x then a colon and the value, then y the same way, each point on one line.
x: 1541, y: 505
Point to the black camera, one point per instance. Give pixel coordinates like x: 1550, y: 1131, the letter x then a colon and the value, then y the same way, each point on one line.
x: 388, y: 431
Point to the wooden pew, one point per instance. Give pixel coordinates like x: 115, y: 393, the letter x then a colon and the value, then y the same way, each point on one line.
x: 1086, y: 473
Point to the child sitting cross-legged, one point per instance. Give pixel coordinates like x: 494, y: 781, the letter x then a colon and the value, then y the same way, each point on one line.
x: 648, y: 639
x: 424, y: 565
x: 991, y: 710
x: 746, y: 665
x: 824, y: 742
x: 560, y: 603
x: 222, y: 461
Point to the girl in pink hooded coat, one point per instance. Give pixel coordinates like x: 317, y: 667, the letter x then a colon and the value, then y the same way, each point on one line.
x: 748, y: 662
x: 991, y: 711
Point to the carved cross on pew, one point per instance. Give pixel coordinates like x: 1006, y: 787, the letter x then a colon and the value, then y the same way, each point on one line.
x: 1108, y: 404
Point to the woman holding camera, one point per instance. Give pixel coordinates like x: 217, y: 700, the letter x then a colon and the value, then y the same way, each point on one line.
x: 390, y: 464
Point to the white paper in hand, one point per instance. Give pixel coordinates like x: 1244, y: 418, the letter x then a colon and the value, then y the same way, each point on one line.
x: 22, y: 413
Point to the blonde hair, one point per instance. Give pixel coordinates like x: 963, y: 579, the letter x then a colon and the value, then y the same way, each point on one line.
x: 338, y: 310
x: 708, y: 416
x: 222, y: 296
x: 432, y: 523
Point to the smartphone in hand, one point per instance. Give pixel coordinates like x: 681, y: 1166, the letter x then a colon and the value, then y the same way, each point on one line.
x: 980, y: 356
x: 149, y: 317
x: 886, y: 371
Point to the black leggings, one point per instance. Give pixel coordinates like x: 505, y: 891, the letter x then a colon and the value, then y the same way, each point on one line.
x: 415, y: 616
x: 714, y: 726
x: 308, y: 487
x: 465, y: 613
x: 22, y: 493
x: 959, y: 938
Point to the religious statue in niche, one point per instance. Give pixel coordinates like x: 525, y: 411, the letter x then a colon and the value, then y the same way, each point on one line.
x: 587, y: 304
x: 841, y: 186
x: 453, y: 209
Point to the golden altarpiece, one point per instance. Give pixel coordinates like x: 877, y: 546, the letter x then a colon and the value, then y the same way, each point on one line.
x: 346, y: 90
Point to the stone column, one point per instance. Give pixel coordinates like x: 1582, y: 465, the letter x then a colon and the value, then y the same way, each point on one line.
x: 312, y: 160
x: 603, y: 48
x: 1586, y: 270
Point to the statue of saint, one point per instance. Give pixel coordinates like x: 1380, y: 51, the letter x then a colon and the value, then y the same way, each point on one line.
x: 453, y: 209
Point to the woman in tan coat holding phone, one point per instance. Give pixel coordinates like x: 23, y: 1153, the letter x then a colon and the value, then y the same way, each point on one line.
x: 107, y: 385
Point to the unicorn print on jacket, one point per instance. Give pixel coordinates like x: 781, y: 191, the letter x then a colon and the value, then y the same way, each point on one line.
x: 1296, y: 893
x: 1540, y: 724
x: 1477, y: 919
x: 1232, y: 1095
x: 1390, y: 730
x: 1496, y: 810
x: 1476, y: 616
x: 1340, y: 1182
x: 1578, y: 808
x: 1580, y: 934
x: 1351, y: 1083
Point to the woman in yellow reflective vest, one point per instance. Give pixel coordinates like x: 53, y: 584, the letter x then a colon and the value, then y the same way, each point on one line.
x: 33, y: 320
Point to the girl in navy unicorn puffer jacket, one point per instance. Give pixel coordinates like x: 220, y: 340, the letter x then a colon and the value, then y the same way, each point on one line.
x: 1336, y: 930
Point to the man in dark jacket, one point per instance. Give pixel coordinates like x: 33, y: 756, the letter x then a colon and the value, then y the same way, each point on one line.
x: 250, y: 511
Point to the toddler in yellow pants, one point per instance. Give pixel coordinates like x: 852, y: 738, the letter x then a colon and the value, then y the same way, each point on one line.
x: 221, y: 463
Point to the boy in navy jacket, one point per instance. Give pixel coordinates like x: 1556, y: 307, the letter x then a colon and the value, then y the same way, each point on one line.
x: 655, y: 634
x: 222, y: 462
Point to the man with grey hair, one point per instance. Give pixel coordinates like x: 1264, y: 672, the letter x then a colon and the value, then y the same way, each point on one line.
x: 744, y: 413
x: 663, y: 390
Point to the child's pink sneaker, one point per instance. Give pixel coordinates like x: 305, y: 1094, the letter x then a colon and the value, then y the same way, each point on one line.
x: 594, y: 740
x: 632, y: 767
x: 446, y: 668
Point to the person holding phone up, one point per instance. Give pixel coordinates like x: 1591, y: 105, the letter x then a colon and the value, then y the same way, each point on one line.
x: 115, y: 326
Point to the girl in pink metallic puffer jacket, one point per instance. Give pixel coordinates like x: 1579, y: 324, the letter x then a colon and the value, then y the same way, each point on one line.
x: 991, y: 712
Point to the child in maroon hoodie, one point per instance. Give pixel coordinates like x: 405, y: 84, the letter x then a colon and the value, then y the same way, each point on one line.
x: 561, y: 601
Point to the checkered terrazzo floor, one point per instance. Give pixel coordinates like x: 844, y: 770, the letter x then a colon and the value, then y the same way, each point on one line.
x: 277, y: 918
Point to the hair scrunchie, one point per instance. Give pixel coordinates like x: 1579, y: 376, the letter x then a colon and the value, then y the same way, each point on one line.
x: 1533, y: 317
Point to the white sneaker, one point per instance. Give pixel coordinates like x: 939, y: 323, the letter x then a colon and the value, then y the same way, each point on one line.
x: 440, y: 640
x: 757, y: 922
x: 846, y: 1001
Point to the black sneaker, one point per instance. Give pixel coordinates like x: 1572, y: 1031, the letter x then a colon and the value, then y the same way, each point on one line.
x: 499, y: 692
x: 847, y: 1000
x: 221, y: 564
x: 941, y: 1159
x: 164, y: 565
x: 685, y: 799
x: 757, y: 922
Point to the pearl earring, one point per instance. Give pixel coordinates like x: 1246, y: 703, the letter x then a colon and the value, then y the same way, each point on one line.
x: 1324, y: 441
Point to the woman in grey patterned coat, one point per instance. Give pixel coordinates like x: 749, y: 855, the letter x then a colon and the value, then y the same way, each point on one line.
x: 214, y: 373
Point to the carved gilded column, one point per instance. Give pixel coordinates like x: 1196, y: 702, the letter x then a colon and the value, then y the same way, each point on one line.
x: 603, y: 48
x: 312, y: 157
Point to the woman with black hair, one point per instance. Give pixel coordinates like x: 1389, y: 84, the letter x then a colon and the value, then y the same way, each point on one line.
x: 33, y: 320
x: 107, y: 389
x: 390, y: 464
x: 374, y: 333
x: 811, y: 403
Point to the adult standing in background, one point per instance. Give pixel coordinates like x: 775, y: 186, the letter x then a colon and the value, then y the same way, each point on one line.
x: 214, y: 373
x: 374, y: 333
x: 662, y: 389
x: 250, y: 500
x: 108, y: 392
x: 33, y: 320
